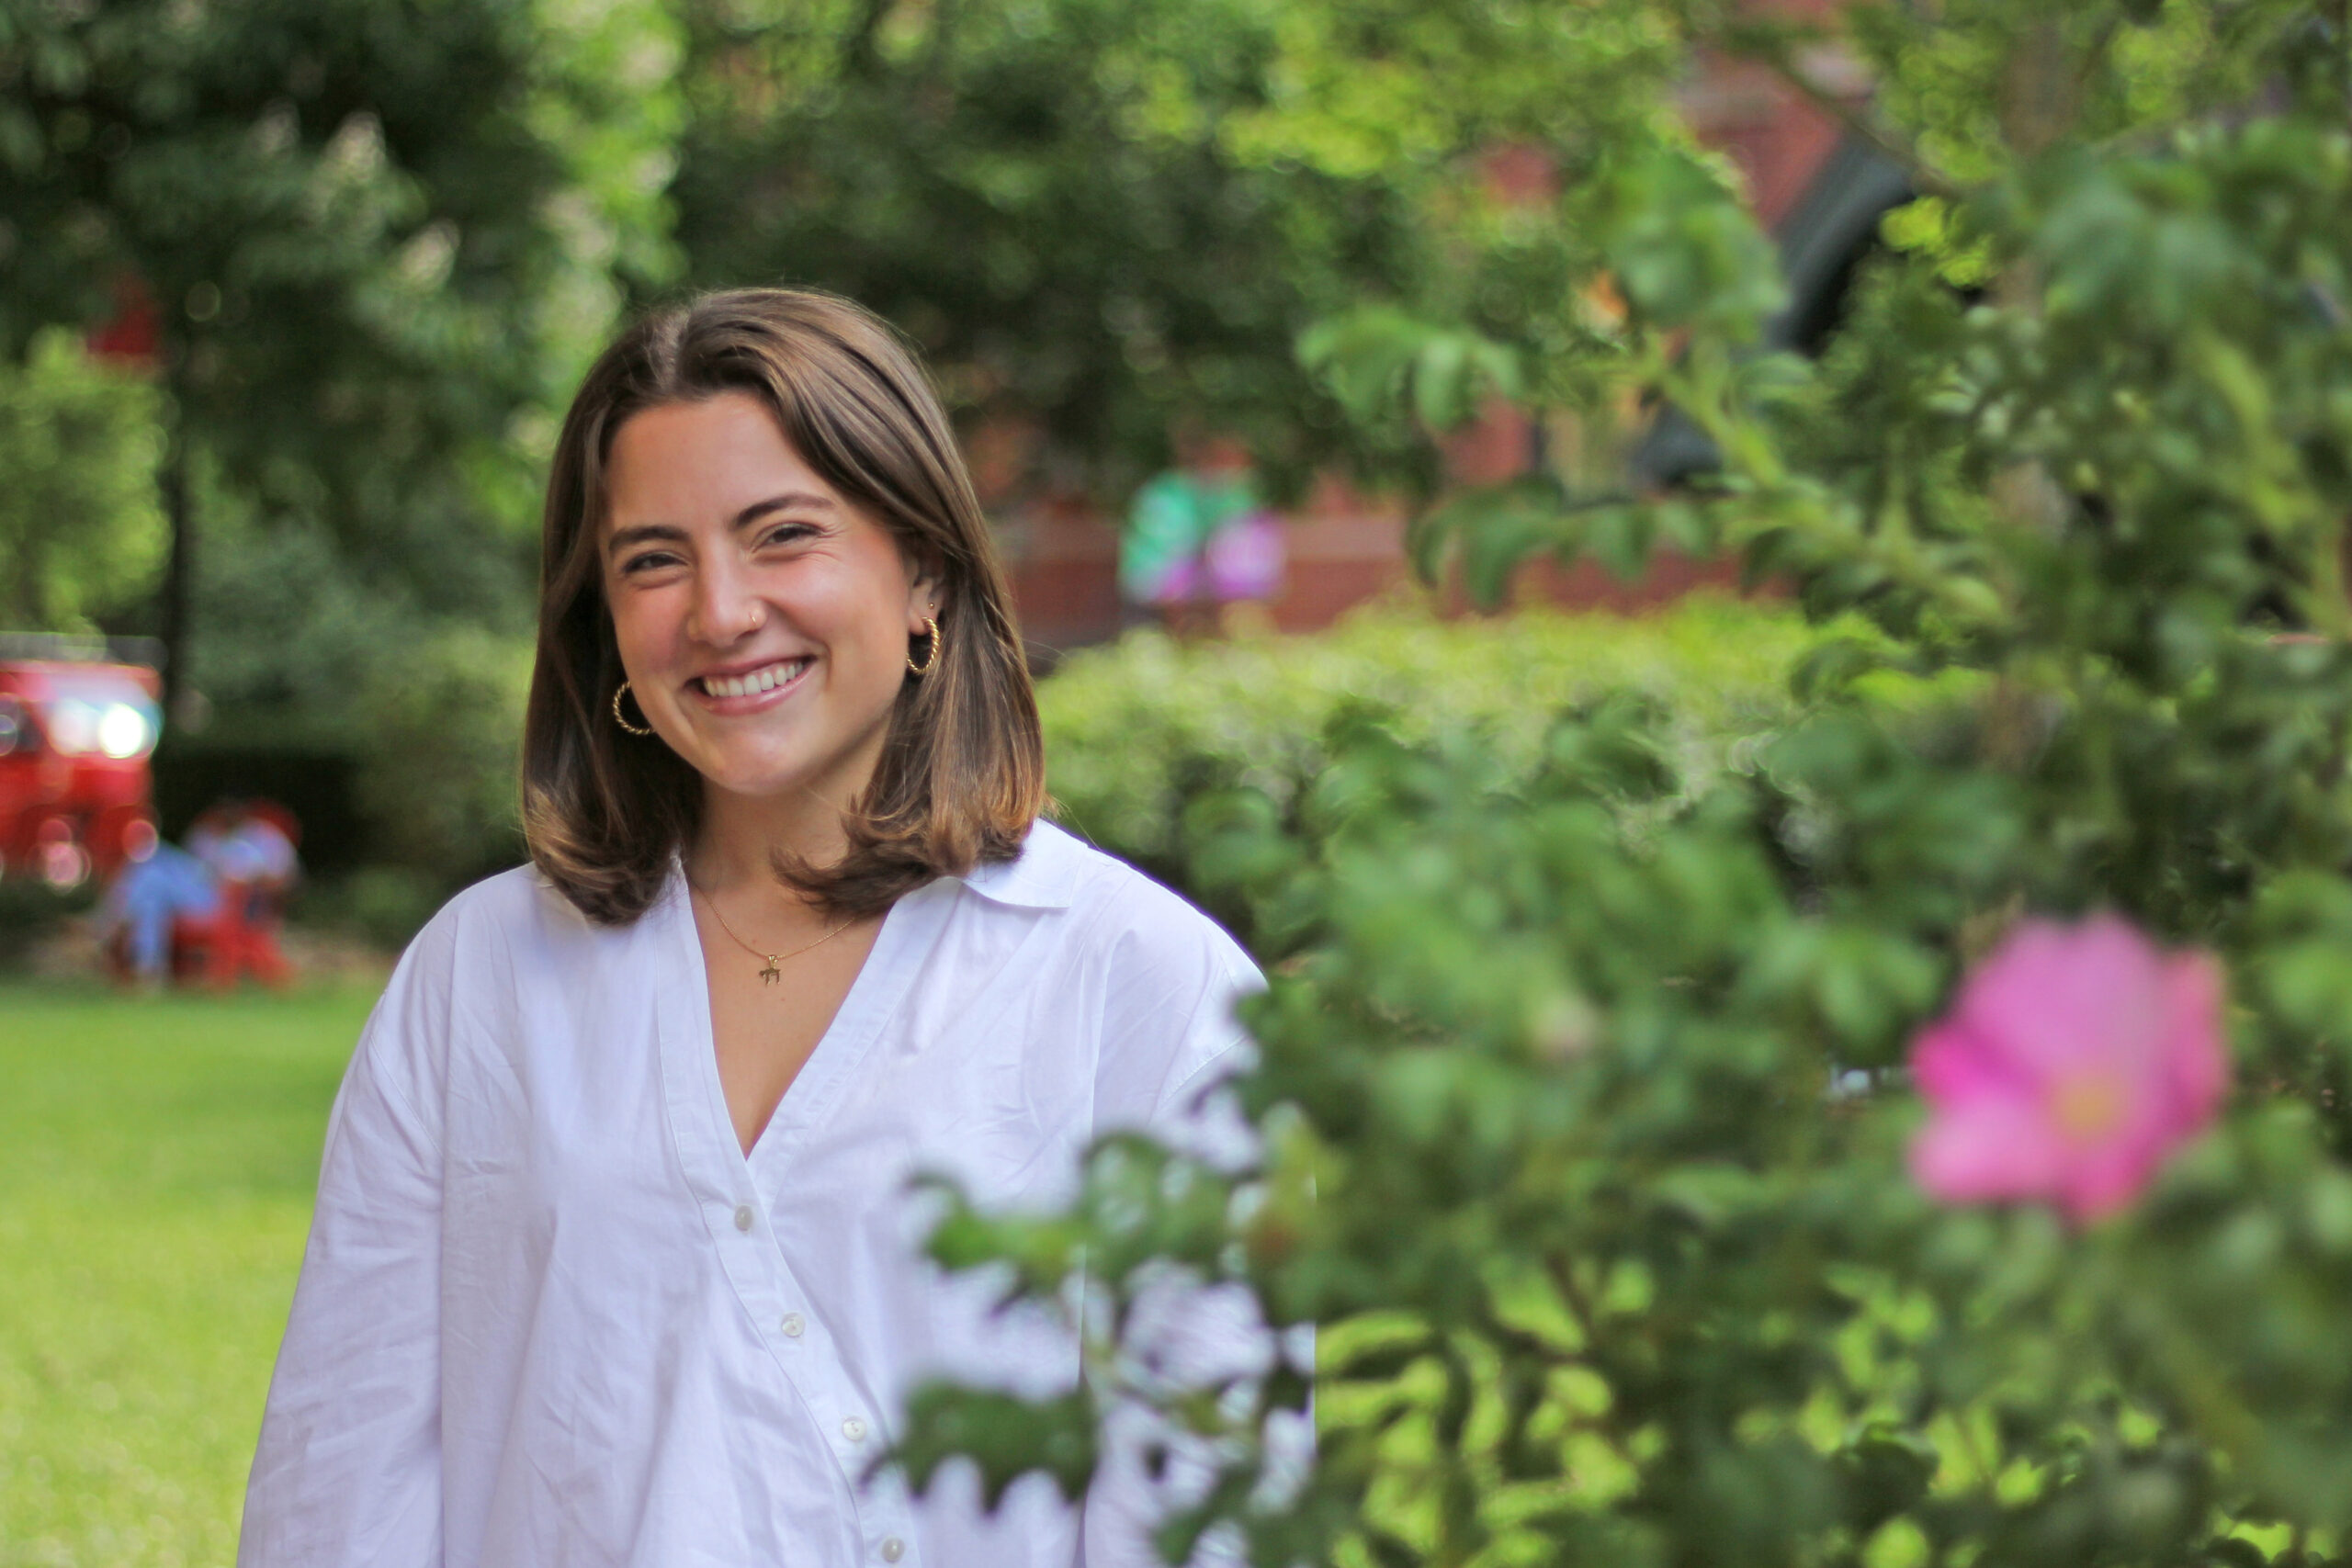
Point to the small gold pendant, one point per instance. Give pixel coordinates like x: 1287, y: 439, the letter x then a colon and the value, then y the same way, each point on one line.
x: 768, y: 976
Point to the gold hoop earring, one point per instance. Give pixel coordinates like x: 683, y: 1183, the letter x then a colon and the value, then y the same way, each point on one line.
x: 618, y: 717
x: 931, y: 658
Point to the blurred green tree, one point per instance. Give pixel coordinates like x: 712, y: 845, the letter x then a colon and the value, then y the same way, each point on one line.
x: 375, y: 242
x: 1117, y: 215
x: 80, y: 531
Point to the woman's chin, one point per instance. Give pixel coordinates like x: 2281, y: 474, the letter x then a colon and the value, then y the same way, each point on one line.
x: 757, y: 784
x: 766, y: 777
x: 744, y: 768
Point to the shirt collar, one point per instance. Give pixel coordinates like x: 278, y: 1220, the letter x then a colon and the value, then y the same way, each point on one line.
x: 1044, y: 876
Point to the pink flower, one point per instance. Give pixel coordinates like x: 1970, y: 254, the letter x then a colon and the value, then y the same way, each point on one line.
x: 2076, y: 1059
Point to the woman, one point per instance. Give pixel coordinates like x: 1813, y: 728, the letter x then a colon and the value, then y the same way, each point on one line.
x: 614, y: 1258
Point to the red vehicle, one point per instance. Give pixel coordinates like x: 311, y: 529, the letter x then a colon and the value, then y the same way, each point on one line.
x: 76, y: 729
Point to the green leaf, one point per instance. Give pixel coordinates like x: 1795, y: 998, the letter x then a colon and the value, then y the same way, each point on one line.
x: 1006, y: 1437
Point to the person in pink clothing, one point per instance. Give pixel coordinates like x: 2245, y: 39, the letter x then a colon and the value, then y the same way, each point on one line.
x: 1198, y: 539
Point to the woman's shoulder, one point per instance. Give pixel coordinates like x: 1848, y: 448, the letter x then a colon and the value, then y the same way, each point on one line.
x: 1103, y: 904
x: 495, y: 950
x: 516, y: 916
x: 1164, y: 975
x: 516, y: 899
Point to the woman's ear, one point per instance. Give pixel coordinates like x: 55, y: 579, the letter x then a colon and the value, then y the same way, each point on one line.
x: 925, y: 579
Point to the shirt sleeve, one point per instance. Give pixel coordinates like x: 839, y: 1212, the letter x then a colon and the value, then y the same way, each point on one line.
x: 1169, y: 1032
x: 348, y: 1471
x: 1173, y: 1015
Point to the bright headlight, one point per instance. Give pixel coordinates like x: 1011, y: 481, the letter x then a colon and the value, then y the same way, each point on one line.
x: 123, y: 732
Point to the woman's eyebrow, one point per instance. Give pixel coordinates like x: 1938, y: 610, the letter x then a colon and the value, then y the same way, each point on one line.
x: 641, y: 534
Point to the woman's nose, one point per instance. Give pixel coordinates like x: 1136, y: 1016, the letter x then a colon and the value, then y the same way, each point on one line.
x: 725, y: 609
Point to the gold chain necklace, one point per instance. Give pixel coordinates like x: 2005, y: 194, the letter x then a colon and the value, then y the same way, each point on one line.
x: 768, y: 976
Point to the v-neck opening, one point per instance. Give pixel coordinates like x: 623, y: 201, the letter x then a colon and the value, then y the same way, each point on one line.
x: 868, y: 1004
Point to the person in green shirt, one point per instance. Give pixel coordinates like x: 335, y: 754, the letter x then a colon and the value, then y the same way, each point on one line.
x: 1197, y: 537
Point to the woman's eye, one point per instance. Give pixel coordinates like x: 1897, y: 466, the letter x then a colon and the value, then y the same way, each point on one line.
x: 786, y: 534
x: 653, y: 560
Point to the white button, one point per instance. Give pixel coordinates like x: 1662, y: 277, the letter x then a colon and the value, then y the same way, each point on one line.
x: 893, y: 1549
x: 792, y: 1325
x: 853, y: 1429
x: 744, y: 1216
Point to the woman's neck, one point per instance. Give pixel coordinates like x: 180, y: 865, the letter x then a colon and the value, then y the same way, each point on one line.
x: 740, y: 835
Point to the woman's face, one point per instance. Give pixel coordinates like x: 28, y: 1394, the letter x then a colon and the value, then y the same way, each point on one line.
x: 763, y: 620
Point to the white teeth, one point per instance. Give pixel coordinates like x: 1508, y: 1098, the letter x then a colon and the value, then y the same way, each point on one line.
x: 766, y: 679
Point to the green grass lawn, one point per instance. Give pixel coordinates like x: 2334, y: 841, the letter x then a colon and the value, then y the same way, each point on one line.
x: 156, y: 1164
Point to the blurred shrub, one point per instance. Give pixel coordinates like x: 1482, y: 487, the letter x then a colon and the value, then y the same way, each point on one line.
x: 440, y: 754
x: 31, y: 912
x: 382, y: 905
x: 1136, y: 730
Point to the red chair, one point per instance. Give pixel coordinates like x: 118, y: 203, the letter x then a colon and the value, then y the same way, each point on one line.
x: 223, y: 947
x: 240, y: 938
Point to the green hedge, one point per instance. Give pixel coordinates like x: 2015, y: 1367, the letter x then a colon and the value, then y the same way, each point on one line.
x: 1137, y: 729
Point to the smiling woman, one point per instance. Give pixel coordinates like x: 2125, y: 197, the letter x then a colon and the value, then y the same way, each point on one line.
x: 764, y: 478
x: 614, y: 1256
x: 765, y: 641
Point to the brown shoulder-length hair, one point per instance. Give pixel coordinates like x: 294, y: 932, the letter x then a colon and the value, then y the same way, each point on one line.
x: 962, y: 772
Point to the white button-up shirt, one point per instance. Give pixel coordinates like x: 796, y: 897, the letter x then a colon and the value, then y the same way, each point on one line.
x: 550, y: 1313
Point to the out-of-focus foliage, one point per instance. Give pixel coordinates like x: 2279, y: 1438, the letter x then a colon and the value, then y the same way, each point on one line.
x: 294, y: 629
x: 1137, y: 731
x: 440, y: 754
x: 378, y: 243
x: 79, y: 530
x: 1580, y: 1099
x: 1113, y: 213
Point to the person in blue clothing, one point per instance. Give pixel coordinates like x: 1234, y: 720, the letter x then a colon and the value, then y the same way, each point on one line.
x: 159, y: 885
